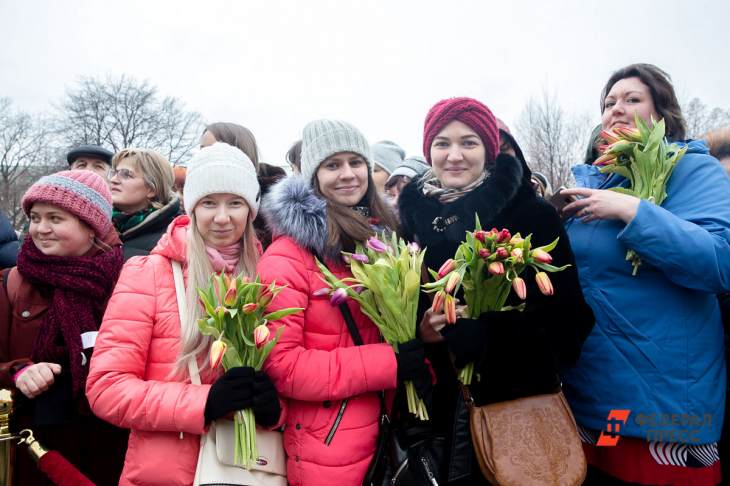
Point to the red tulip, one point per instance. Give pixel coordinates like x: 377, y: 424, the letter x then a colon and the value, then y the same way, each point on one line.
x: 628, y: 133
x: 504, y: 235
x: 250, y: 307
x: 543, y: 281
x: 266, y: 298
x: 484, y: 253
x: 502, y: 252
x: 518, y: 285
x: 481, y: 235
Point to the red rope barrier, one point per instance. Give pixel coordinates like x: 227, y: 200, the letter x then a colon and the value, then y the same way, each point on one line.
x: 60, y: 471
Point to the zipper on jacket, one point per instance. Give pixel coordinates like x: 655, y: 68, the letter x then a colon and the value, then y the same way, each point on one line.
x: 429, y: 473
x: 338, y: 419
x: 399, y: 471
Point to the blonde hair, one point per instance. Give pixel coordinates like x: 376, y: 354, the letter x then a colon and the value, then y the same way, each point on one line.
x: 156, y: 172
x: 193, y: 344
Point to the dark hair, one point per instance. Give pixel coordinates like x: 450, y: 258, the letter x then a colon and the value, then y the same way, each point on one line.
x: 237, y: 136
x: 719, y: 143
x: 662, y: 93
x: 294, y: 155
x: 346, y: 227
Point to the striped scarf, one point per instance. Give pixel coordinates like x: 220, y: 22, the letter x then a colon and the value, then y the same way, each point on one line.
x: 432, y: 187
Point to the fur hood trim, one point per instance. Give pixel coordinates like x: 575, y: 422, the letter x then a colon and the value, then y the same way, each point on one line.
x: 292, y: 209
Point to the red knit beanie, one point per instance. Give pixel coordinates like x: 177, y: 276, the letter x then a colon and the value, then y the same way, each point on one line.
x: 468, y: 111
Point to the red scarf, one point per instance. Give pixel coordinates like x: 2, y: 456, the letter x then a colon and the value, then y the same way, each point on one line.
x: 79, y: 289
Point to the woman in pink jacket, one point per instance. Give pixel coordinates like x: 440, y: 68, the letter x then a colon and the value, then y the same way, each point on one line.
x: 315, y: 365
x: 139, y: 377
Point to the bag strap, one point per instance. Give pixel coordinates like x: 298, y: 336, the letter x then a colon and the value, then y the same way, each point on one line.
x: 182, y: 310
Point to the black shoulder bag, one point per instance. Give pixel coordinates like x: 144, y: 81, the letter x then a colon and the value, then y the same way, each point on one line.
x: 406, y: 454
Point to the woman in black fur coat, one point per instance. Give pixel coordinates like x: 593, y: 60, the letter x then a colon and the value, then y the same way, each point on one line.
x: 516, y: 354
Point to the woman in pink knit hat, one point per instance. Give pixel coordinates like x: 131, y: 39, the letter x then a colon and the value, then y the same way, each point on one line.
x: 51, y: 306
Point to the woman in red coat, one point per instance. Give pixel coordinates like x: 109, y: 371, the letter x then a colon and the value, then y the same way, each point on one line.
x: 50, y: 310
x: 315, y: 365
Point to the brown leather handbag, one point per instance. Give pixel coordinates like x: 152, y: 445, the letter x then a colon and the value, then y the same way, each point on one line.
x: 532, y: 440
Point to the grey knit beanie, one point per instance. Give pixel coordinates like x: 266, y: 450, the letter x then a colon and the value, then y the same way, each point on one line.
x: 388, y: 155
x: 411, y: 167
x: 322, y: 139
x: 221, y: 168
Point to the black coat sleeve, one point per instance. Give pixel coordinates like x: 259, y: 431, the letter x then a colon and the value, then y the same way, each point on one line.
x: 520, y: 353
x: 9, y: 244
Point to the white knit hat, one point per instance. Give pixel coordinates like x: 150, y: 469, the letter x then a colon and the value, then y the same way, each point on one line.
x: 322, y: 139
x: 221, y: 168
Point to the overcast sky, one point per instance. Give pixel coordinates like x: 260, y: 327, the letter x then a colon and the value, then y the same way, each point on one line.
x: 275, y: 65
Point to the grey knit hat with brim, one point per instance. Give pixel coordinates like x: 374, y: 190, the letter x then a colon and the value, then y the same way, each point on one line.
x: 388, y: 155
x: 411, y: 167
x: 321, y: 139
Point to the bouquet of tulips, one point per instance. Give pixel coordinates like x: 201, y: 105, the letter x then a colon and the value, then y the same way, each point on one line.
x: 235, y: 315
x: 386, y: 281
x: 488, y: 266
x: 644, y: 157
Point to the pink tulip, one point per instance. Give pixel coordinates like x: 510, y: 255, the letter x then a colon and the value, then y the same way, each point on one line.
x: 260, y: 335
x: 446, y: 268
x: 518, y: 285
x: 496, y: 268
x: 517, y: 255
x: 544, y: 283
x: 542, y: 256
x: 484, y: 253
x: 502, y: 252
x: 376, y: 245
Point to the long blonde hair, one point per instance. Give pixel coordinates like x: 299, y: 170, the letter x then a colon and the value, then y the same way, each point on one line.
x: 193, y: 344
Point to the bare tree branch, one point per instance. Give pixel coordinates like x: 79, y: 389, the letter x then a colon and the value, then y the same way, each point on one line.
x: 552, y: 139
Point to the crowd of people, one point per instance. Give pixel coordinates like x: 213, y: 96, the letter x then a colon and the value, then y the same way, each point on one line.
x: 97, y: 352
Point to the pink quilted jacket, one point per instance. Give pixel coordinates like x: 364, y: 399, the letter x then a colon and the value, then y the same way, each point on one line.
x: 130, y: 382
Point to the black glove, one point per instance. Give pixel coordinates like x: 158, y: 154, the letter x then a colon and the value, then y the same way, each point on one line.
x: 467, y: 340
x: 232, y: 391
x: 266, y: 406
x: 411, y: 359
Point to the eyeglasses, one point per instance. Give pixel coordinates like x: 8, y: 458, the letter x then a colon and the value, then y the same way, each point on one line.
x: 124, y: 174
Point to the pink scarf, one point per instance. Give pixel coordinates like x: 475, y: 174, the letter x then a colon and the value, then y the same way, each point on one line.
x: 224, y: 258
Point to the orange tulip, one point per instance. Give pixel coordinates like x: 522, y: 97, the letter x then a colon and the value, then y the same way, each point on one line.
x: 452, y: 282
x: 437, y: 305
x: 496, y: 268
x: 217, y: 350
x: 450, y: 309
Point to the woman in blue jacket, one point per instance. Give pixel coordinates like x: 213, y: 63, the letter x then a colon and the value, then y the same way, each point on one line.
x: 657, y: 347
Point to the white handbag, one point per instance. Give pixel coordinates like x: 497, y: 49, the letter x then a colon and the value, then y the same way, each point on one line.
x: 215, y: 461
